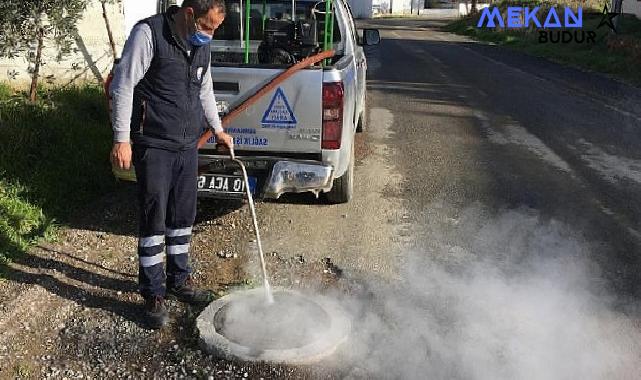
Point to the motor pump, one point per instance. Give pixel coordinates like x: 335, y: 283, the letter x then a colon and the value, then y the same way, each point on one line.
x: 288, y: 42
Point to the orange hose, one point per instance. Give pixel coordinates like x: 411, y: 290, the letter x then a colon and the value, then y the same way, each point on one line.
x: 280, y: 78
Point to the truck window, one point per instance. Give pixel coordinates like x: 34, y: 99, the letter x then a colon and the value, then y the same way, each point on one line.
x: 275, y: 36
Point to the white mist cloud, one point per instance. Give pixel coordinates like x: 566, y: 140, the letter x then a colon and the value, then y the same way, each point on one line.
x: 508, y: 296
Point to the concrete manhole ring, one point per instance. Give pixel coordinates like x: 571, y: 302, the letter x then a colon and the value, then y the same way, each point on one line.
x: 298, y: 329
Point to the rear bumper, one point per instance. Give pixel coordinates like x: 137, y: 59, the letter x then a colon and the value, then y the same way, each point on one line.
x: 298, y: 177
x: 276, y: 176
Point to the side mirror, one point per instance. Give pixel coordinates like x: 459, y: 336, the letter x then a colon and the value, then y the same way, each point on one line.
x: 370, y: 37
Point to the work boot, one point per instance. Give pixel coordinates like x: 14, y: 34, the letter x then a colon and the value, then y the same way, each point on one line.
x: 156, y: 315
x: 187, y: 293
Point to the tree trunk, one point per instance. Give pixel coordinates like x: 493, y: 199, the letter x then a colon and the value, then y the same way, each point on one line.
x: 617, y: 7
x: 474, y: 7
x: 112, y: 43
x: 33, y: 92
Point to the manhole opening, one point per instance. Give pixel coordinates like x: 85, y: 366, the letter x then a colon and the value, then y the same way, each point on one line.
x: 291, y: 322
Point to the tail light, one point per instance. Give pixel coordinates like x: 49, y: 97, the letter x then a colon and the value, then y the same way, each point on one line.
x: 333, y: 94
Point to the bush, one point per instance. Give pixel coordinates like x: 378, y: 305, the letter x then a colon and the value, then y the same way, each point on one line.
x: 21, y: 223
x: 53, y: 160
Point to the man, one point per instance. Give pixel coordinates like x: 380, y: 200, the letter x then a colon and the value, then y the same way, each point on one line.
x: 162, y: 93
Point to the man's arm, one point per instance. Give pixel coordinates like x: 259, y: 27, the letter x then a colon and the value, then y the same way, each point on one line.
x: 136, y: 59
x: 208, y: 100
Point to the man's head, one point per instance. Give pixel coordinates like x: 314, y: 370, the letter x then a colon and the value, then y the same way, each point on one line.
x: 207, y: 15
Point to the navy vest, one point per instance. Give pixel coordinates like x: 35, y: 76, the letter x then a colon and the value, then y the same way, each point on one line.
x: 168, y: 113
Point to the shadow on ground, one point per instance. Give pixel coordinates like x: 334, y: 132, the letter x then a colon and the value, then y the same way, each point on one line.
x: 79, y: 281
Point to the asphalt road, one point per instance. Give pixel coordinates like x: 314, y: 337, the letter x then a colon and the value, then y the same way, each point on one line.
x: 496, y: 215
x: 520, y: 179
x: 478, y: 125
x: 494, y: 234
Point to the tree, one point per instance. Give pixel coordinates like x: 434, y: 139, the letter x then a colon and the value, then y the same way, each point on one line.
x: 26, y: 25
x: 112, y: 42
x: 617, y: 7
x: 475, y: 8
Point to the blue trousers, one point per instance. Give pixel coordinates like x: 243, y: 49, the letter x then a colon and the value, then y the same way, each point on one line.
x: 167, y: 196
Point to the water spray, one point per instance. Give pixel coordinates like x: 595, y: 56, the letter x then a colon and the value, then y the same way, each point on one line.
x: 279, y: 326
x: 268, y: 291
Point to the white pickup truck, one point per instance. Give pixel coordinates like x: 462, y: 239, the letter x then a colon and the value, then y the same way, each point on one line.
x: 300, y: 136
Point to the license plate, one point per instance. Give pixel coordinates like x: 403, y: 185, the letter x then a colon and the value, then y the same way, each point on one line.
x: 225, y: 184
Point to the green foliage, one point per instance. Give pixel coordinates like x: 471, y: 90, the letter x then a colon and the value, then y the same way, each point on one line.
x: 21, y: 223
x: 53, y: 161
x: 5, y: 92
x: 26, y: 25
x: 21, y: 20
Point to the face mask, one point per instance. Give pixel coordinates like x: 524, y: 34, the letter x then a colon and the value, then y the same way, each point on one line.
x: 199, y: 38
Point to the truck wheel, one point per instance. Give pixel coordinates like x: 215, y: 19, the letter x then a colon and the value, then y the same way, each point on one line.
x: 343, y: 188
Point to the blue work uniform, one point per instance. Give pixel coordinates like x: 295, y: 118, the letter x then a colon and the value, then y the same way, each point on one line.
x: 163, y: 101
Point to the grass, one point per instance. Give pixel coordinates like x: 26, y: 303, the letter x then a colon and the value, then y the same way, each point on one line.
x: 21, y: 223
x: 53, y: 161
x: 23, y: 370
x: 618, y: 55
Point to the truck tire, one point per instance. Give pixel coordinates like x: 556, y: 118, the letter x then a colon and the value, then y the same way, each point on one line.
x: 343, y: 188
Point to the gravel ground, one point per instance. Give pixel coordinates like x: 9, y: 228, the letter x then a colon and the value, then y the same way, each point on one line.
x: 70, y: 309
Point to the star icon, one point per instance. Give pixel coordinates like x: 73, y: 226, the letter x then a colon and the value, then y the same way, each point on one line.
x: 607, y: 19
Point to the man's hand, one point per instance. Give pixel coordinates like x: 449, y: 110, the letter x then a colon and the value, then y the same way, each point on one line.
x: 121, y: 155
x: 225, y: 139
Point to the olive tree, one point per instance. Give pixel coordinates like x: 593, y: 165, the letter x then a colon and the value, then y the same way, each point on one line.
x: 110, y: 35
x: 27, y: 25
